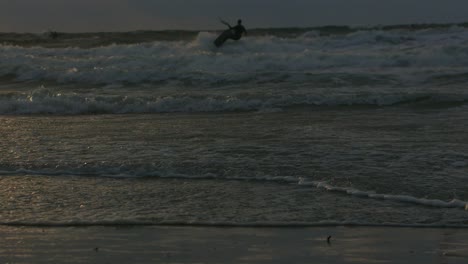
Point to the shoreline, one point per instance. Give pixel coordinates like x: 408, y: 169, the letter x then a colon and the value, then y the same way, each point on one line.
x: 176, y: 224
x: 177, y: 244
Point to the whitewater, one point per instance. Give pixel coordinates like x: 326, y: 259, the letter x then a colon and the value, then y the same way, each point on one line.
x: 374, y: 67
x: 286, y: 127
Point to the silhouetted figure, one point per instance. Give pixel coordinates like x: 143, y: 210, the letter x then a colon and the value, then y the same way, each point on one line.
x: 238, y: 30
x: 234, y: 33
x: 53, y: 34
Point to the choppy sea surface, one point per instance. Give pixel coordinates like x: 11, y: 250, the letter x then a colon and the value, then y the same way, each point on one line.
x: 286, y: 127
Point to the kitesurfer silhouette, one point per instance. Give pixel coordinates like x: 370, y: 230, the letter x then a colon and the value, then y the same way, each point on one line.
x: 234, y: 33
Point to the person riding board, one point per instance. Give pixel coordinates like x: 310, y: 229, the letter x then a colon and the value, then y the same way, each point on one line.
x: 234, y: 33
x: 238, y: 30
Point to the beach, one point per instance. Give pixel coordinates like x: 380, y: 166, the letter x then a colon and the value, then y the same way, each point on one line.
x: 137, y: 244
x: 158, y: 147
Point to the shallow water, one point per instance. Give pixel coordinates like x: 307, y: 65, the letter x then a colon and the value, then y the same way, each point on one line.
x: 366, y: 127
x: 238, y: 168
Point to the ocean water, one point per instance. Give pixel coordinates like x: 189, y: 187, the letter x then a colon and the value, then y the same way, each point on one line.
x: 286, y: 127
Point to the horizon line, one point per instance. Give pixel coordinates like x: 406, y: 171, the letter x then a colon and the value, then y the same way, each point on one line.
x: 351, y: 27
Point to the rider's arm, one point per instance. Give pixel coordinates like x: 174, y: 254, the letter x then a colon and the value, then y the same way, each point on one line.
x: 225, y: 23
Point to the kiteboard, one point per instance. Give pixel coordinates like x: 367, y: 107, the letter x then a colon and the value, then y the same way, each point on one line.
x: 227, y: 34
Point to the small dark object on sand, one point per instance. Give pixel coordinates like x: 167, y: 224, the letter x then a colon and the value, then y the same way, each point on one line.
x: 328, y: 239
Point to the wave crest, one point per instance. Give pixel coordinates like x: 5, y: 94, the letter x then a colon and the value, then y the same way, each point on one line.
x: 455, y: 203
x: 198, y: 61
x: 45, y: 101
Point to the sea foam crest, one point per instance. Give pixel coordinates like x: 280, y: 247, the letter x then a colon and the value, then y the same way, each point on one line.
x: 49, y: 101
x: 455, y: 203
x: 390, y: 52
x: 135, y: 170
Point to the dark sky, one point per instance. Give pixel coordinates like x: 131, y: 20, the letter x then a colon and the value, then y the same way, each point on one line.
x: 123, y: 15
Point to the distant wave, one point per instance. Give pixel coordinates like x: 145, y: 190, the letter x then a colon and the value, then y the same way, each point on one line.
x: 97, y: 39
x: 44, y: 101
x: 386, y: 57
x: 378, y: 67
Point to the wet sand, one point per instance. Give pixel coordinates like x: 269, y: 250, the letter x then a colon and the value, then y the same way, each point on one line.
x: 142, y: 244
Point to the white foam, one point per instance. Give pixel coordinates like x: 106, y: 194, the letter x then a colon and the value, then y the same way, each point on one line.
x: 50, y: 101
x: 150, y: 171
x: 384, y: 52
x: 455, y: 203
x: 125, y: 171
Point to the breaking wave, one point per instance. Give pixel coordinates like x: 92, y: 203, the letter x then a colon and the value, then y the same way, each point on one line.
x: 44, y: 101
x: 254, y: 59
x: 132, y: 171
x: 455, y: 203
x: 379, y: 66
